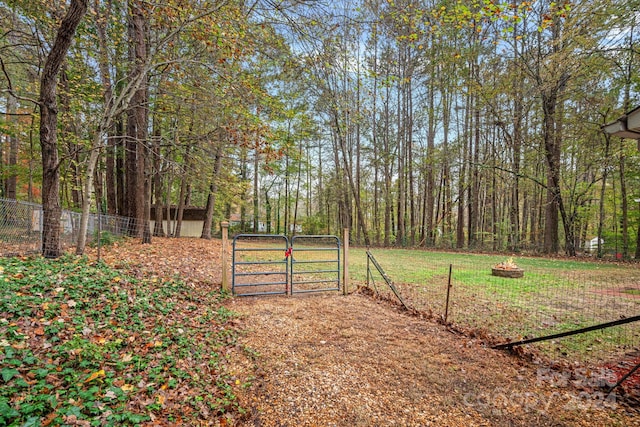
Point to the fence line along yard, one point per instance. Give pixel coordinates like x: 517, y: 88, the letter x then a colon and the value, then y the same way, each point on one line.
x: 554, y: 296
x: 21, y: 227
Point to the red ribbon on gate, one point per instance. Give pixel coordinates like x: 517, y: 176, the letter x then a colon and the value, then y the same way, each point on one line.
x: 287, y: 253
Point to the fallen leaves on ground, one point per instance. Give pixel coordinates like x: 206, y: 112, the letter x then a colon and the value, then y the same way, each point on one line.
x: 193, y: 261
x: 149, y: 340
x: 333, y: 360
x: 139, y: 338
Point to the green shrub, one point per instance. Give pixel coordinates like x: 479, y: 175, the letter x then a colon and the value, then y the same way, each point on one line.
x: 106, y: 238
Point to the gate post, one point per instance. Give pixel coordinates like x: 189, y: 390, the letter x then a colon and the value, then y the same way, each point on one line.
x: 225, y: 253
x: 345, y: 257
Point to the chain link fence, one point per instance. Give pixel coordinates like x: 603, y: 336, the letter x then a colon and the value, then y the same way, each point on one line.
x: 21, y: 227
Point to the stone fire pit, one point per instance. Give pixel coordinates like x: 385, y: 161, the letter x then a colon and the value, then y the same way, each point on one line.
x: 507, y: 269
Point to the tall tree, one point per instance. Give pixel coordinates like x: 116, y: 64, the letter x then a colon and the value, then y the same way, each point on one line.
x: 51, y: 247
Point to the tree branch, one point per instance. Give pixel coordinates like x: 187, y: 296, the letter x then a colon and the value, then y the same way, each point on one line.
x: 9, y: 88
x: 519, y: 175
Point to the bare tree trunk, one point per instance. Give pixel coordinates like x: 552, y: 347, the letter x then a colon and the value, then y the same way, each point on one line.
x: 321, y: 195
x: 474, y: 206
x: 120, y: 148
x: 72, y: 184
x: 98, y: 187
x: 168, y: 205
x: 555, y: 203
x: 155, y: 170
x: 12, y: 160
x: 411, y: 179
x: 525, y: 220
x: 131, y: 165
x: 267, y: 206
x: 552, y: 153
x: 137, y: 122
x: 286, y: 183
x: 146, y: 230
x: 244, y: 195
x: 376, y: 156
x: 88, y: 186
x: 297, y: 197
x: 352, y: 186
x: 624, y: 204
x: 447, y: 202
x: 182, y: 198
x: 461, y: 188
x: 342, y: 193
x: 157, y: 186
x: 211, y: 198
x: 629, y: 75
x: 428, y: 234
x: 516, y: 143
x: 256, y: 190
x: 110, y: 175
x: 386, y: 155
x: 101, y: 18
x: 9, y: 183
x: 550, y: 95
x: 495, y: 232
x: 400, y: 233
x: 51, y: 247
x: 105, y: 77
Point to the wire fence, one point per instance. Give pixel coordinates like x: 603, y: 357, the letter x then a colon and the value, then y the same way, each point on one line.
x: 552, y: 297
x: 21, y: 227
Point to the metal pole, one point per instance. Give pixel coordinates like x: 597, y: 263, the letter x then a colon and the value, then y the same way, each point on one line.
x: 624, y: 378
x: 569, y: 333
x: 386, y: 279
x: 99, y: 206
x: 345, y: 257
x: 224, y: 261
x: 449, y: 285
x: 289, y: 265
x: 368, y: 268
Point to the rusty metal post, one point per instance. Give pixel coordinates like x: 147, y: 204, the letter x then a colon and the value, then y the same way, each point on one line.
x: 225, y: 254
x: 345, y: 257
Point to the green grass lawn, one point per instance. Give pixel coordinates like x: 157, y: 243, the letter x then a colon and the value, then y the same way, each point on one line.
x: 413, y: 266
x: 554, y: 295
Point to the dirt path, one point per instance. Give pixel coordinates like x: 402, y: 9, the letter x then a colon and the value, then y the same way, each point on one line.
x: 331, y: 360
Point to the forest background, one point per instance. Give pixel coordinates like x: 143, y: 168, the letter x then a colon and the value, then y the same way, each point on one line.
x: 452, y: 124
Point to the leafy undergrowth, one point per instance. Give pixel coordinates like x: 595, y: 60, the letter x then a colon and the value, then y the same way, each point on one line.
x: 85, y: 344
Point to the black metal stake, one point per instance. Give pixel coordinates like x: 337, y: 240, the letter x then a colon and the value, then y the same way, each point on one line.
x: 449, y: 285
x: 386, y: 279
x: 627, y: 375
x: 569, y: 333
x: 368, y: 271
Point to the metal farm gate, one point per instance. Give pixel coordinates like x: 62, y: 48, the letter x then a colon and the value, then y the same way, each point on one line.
x: 272, y: 265
x: 315, y: 264
x: 260, y: 265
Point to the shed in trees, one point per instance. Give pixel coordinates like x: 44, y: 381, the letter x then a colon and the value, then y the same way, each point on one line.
x: 592, y: 245
x: 192, y: 220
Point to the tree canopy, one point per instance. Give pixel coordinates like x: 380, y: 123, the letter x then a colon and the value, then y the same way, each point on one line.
x: 456, y: 124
